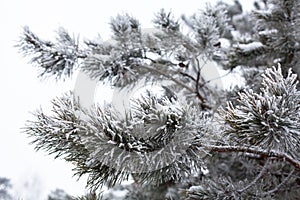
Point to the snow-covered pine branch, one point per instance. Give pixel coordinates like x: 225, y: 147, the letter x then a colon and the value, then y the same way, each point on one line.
x: 269, y: 119
x: 174, y: 147
x: 54, y: 59
x: 158, y: 141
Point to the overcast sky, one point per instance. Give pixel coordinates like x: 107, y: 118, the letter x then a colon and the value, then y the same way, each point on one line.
x: 23, y: 92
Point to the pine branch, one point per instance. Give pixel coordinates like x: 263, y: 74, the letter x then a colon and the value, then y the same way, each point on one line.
x: 159, y: 140
x: 269, y: 119
x: 109, y: 148
x: 55, y: 59
x: 258, y: 151
x: 166, y: 21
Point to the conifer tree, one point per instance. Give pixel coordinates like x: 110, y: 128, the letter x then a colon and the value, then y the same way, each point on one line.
x: 189, y: 143
x: 5, y: 186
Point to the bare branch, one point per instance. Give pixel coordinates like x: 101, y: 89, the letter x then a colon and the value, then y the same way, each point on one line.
x: 167, y: 76
x: 188, y: 75
x: 197, y: 88
x: 257, y: 151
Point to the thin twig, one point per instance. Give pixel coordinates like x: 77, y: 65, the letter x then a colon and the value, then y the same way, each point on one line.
x: 182, y: 73
x: 198, y: 65
x: 187, y: 75
x: 199, y: 96
x: 155, y: 70
x: 219, y: 77
x: 197, y: 88
x: 167, y: 76
x: 147, y: 58
x: 261, y: 173
x: 279, y: 185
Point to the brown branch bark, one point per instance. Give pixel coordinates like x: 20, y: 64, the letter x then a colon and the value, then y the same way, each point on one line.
x: 178, y: 82
x: 257, y: 151
x: 167, y: 76
x: 197, y: 88
x: 189, y: 76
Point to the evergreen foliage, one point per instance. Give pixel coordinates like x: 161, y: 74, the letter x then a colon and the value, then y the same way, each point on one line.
x: 189, y: 143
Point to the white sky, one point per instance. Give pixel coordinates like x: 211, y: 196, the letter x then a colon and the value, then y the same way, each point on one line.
x: 23, y: 92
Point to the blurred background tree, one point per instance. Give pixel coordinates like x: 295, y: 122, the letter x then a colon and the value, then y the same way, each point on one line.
x: 5, y: 187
